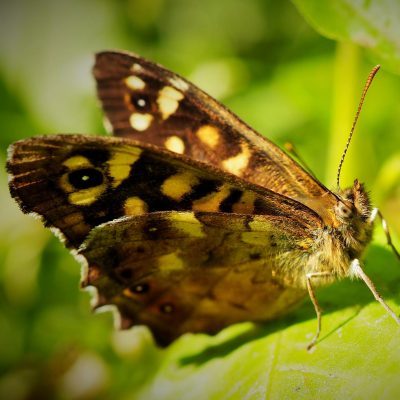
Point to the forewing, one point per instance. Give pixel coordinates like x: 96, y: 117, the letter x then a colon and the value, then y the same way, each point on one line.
x: 78, y: 182
x: 180, y: 272
x: 145, y: 101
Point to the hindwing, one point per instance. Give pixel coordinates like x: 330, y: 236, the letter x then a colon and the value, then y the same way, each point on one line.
x: 179, y: 272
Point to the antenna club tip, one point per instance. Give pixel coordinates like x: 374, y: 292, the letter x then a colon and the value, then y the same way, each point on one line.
x: 375, y: 69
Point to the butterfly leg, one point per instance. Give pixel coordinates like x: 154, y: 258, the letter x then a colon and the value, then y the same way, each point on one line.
x: 357, y: 271
x: 318, y: 311
x: 376, y: 213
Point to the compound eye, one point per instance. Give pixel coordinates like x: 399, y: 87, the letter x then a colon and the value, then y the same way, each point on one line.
x: 344, y: 211
x: 85, y: 178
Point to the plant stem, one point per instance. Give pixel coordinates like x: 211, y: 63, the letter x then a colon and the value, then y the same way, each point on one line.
x: 346, y: 85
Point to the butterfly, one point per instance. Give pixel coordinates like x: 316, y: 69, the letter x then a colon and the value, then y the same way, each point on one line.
x: 187, y: 220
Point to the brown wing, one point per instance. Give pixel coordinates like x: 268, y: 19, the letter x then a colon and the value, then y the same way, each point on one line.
x: 180, y: 272
x: 144, y: 101
x: 78, y: 182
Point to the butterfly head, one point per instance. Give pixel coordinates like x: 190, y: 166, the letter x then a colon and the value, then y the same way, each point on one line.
x: 353, y: 212
x: 354, y: 203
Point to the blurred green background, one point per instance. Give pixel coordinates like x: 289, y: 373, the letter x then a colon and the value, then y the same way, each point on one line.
x: 265, y: 61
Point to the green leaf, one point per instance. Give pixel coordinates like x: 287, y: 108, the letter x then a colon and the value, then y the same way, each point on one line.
x: 374, y: 25
x: 357, y: 356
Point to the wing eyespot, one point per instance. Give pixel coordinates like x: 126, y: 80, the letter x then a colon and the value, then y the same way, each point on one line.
x: 140, y: 102
x: 141, y: 288
x: 167, y: 308
x: 85, y: 178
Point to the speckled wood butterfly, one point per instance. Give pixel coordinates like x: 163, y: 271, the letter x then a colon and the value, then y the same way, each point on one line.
x: 188, y: 220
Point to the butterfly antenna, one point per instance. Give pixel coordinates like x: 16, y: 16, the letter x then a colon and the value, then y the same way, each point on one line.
x: 366, y: 87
